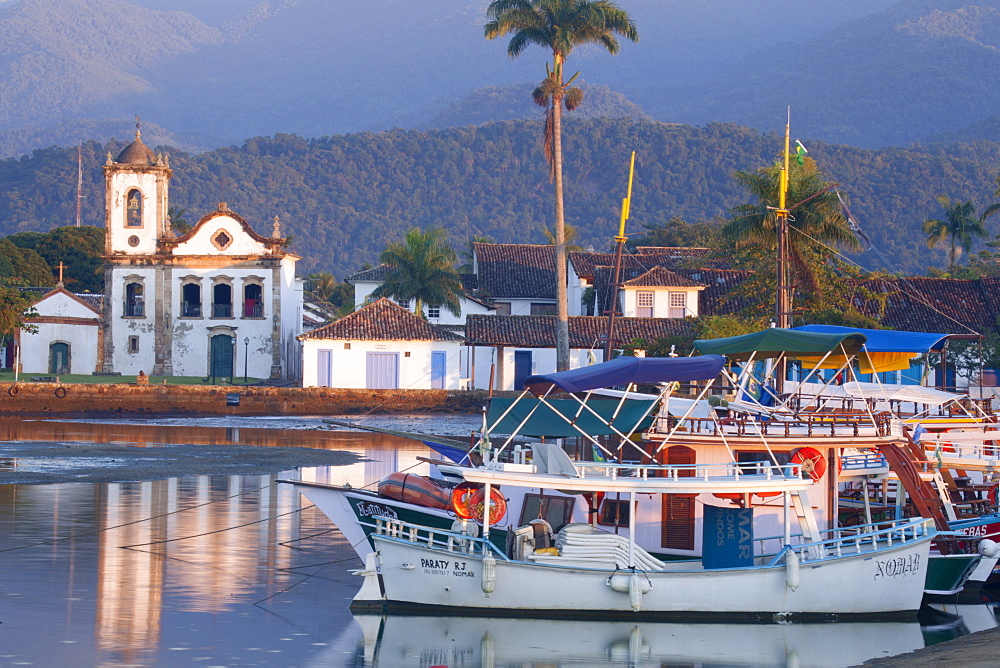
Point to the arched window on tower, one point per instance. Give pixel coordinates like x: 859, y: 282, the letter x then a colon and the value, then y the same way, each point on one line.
x: 133, y: 208
x: 134, y: 302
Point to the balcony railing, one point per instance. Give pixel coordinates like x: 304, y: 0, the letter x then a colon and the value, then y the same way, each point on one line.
x: 222, y: 310
x: 253, y: 310
x: 190, y: 310
x: 135, y: 310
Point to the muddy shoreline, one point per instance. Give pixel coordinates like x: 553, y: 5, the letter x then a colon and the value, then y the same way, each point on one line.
x: 42, y: 463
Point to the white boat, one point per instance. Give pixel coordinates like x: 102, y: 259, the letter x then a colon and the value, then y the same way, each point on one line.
x: 870, y: 570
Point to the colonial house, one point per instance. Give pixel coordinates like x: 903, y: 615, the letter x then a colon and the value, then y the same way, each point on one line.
x: 382, y: 346
x: 67, y: 334
x: 217, y: 301
x: 507, y: 350
x: 366, y: 281
x: 519, y: 279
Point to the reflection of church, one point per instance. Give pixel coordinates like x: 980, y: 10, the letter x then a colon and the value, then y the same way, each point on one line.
x: 217, y: 301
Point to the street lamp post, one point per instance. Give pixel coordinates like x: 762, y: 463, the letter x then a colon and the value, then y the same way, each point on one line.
x: 246, y: 357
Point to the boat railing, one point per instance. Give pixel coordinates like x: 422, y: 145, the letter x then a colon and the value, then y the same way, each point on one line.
x: 861, y: 539
x: 864, y: 461
x: 820, y: 423
x: 950, y: 449
x: 706, y: 472
x: 442, y: 539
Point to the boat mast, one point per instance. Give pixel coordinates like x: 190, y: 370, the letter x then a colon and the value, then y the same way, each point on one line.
x: 619, y: 247
x: 783, y: 301
x: 783, y: 297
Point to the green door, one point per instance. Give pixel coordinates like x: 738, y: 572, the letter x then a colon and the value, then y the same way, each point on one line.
x: 59, y: 359
x: 221, y: 362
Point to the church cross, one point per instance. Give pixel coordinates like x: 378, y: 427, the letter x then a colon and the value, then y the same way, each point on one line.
x: 60, y: 267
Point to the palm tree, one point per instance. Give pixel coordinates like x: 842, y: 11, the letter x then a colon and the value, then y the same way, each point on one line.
x: 960, y: 224
x: 817, y: 225
x: 422, y: 268
x: 570, y: 236
x: 992, y: 208
x: 469, y: 254
x: 322, y: 284
x: 558, y: 25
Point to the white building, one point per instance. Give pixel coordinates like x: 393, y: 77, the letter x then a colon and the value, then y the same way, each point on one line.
x: 219, y: 301
x: 382, y: 346
x: 66, y: 338
x: 366, y: 281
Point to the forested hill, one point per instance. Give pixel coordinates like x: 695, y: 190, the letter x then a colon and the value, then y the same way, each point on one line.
x: 343, y: 197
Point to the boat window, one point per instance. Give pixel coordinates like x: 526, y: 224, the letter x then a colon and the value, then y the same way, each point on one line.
x: 613, y: 512
x: 556, y: 510
x: 747, y: 458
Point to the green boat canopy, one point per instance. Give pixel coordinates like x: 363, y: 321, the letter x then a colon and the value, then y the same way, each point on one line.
x: 775, y: 342
x: 548, y: 422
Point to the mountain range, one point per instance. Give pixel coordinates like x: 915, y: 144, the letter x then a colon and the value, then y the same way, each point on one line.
x: 869, y: 73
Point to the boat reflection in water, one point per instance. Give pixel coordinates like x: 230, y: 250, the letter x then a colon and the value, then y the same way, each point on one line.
x: 464, y: 642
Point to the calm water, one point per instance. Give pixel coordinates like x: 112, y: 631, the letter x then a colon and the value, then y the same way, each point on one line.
x: 239, y: 571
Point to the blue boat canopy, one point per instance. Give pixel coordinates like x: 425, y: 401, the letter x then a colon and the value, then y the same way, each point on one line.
x: 885, y: 340
x: 625, y: 370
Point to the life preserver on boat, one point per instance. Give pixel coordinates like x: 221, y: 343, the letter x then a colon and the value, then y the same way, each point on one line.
x: 766, y: 495
x: 461, y: 498
x: 13, y: 390
x: 811, y: 461
x: 497, y: 503
x: 60, y: 392
x: 729, y: 496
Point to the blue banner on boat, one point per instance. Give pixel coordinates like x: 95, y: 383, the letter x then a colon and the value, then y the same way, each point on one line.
x: 727, y: 541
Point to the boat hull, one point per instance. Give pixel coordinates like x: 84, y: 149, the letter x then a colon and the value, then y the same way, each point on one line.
x: 884, y: 584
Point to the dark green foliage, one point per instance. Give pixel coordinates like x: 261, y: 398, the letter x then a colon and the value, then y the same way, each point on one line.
x: 24, y: 266
x: 344, y: 197
x: 78, y: 248
x: 15, y: 308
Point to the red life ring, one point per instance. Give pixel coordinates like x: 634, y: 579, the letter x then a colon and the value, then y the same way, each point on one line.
x: 811, y: 461
x: 461, y: 498
x: 498, y: 505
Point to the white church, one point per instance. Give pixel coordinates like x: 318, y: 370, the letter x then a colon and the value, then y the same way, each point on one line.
x: 217, y: 302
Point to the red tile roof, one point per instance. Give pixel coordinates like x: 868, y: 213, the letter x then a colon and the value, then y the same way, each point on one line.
x: 661, y: 277
x: 538, y: 331
x: 382, y: 320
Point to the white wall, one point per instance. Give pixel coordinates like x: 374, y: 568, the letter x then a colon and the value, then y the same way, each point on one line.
x: 349, y: 367
x: 80, y: 335
x: 661, y: 301
x: 543, y: 360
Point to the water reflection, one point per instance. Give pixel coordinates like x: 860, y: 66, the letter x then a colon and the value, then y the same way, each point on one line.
x: 460, y: 642
x: 170, y: 572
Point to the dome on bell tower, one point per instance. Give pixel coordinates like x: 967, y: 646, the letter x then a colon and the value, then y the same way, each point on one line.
x: 136, y: 153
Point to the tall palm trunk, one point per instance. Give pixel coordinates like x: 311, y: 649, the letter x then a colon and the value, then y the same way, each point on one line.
x: 562, y: 301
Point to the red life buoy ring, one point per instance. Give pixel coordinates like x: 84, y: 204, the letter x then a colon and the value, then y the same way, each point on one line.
x: 60, y: 392
x: 498, y: 505
x: 811, y: 461
x: 461, y: 498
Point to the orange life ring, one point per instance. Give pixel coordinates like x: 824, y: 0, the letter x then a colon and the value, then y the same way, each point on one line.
x: 811, y: 462
x: 461, y: 498
x: 498, y: 505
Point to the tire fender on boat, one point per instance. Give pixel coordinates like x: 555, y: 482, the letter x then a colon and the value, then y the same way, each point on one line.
x: 13, y: 390
x: 489, y: 582
x: 792, y: 569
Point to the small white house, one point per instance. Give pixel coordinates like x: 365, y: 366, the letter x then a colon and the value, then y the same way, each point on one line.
x: 382, y: 346
x: 507, y: 350
x: 67, y: 338
x: 366, y: 281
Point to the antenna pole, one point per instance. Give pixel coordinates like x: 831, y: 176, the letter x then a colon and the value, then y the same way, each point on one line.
x: 79, y: 182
